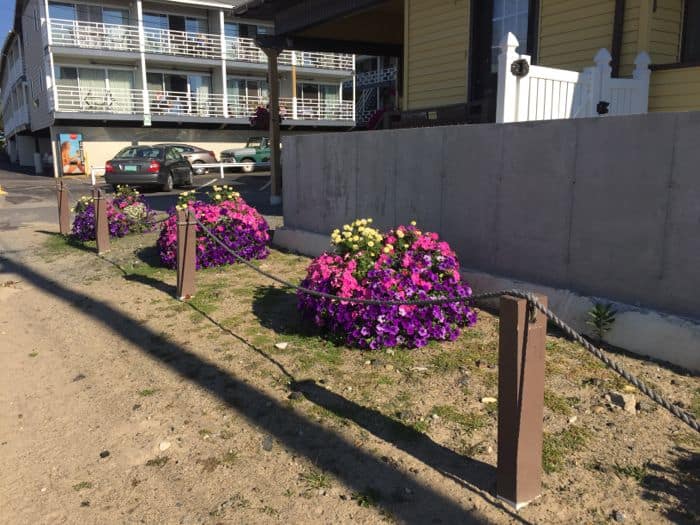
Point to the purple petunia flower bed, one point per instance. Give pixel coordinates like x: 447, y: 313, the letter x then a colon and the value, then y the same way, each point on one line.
x: 239, y: 226
x: 401, y: 264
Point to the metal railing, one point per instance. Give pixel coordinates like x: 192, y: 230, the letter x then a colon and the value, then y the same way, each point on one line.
x: 94, y: 35
x: 186, y: 104
x: 243, y: 49
x: 314, y: 109
x: 378, y: 76
x: 241, y: 106
x: 99, y: 100
x: 182, y: 43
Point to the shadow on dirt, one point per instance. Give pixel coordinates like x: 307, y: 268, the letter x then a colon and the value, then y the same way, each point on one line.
x: 358, y: 468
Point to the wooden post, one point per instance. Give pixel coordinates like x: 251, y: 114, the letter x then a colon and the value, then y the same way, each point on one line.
x: 275, y: 164
x: 63, y: 208
x: 520, y: 401
x: 186, y: 254
x: 101, y: 224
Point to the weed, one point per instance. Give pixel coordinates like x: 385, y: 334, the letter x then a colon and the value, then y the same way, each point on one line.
x: 471, y: 449
x: 147, y: 392
x: 225, y: 434
x: 557, y: 446
x: 82, y: 485
x: 229, y: 458
x: 157, y: 462
x: 695, y: 404
x: 559, y: 404
x: 385, y: 380
x: 315, y: 479
x: 367, y: 498
x: 33, y: 354
x: 631, y: 471
x: 204, y: 433
x: 601, y: 318
x: 468, y: 422
x: 269, y: 511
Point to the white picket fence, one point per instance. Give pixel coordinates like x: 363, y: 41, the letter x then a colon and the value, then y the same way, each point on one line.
x: 546, y: 93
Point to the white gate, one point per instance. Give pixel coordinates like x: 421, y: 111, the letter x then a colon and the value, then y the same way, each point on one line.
x: 531, y: 92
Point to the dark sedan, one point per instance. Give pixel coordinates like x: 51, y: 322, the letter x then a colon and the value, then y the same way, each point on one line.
x: 162, y: 166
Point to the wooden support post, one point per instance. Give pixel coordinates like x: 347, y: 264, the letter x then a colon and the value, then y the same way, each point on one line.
x: 521, y: 350
x: 186, y: 254
x: 101, y: 223
x: 63, y: 208
x: 275, y: 164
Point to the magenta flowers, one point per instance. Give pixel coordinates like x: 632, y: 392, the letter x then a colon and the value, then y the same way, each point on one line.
x: 402, y: 264
x: 239, y: 226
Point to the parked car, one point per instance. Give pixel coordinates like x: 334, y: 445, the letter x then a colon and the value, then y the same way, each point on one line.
x: 162, y: 166
x: 257, y: 149
x: 195, y: 155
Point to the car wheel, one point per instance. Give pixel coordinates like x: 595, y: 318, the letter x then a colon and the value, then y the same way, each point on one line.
x: 199, y: 171
x: 248, y: 165
x: 169, y: 183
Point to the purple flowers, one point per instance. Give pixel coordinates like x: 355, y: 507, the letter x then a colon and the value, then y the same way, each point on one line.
x: 239, y: 226
x: 410, y: 265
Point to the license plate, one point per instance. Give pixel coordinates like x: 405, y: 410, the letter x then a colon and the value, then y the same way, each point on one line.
x: 131, y: 168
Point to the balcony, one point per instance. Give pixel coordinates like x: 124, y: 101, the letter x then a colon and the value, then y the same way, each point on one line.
x: 243, y: 49
x: 181, y: 43
x: 99, y: 100
x: 177, y: 103
x: 305, y: 109
x: 94, y: 35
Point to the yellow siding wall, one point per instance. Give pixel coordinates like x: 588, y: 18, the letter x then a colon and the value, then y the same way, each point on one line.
x: 630, y: 37
x: 436, y: 43
x: 665, y: 35
x: 675, y: 90
x: 572, y: 31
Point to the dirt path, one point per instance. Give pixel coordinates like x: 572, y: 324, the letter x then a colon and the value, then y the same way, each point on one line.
x: 201, y: 425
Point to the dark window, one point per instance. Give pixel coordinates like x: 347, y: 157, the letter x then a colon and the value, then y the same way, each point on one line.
x: 690, y: 51
x: 140, y: 152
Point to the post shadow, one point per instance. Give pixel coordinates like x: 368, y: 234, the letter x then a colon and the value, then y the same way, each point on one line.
x: 357, y: 468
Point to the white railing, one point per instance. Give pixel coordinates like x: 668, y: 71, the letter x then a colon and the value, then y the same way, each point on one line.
x: 99, y: 100
x: 180, y: 103
x: 544, y: 93
x: 94, y: 35
x: 244, y: 107
x: 243, y: 49
x: 182, y: 43
x: 304, y: 109
x: 15, y: 119
x: 378, y: 76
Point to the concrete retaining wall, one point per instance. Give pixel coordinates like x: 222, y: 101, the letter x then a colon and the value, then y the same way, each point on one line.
x: 606, y: 207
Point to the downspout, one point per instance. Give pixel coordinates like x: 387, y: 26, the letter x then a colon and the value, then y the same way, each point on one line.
x: 618, y: 29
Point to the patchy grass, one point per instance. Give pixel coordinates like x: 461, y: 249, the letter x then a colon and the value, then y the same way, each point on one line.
x: 229, y: 458
x: 695, y: 404
x: 468, y: 422
x: 56, y: 246
x: 558, y: 446
x: 636, y: 472
x: 33, y: 354
x: 158, y: 461
x: 146, y: 392
x: 559, y: 404
x: 82, y: 485
x: 367, y: 498
x: 315, y: 479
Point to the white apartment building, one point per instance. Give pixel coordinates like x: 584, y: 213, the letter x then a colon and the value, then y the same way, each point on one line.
x: 117, y: 72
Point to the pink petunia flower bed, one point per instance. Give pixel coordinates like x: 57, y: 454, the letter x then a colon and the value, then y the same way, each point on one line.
x: 400, y: 264
x: 239, y: 226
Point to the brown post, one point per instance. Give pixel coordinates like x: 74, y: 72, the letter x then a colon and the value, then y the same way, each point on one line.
x: 275, y: 164
x: 521, y: 349
x: 101, y: 224
x: 186, y: 254
x: 63, y: 208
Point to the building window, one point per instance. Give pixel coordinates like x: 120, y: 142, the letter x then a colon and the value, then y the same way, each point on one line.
x: 690, y: 51
x: 509, y: 16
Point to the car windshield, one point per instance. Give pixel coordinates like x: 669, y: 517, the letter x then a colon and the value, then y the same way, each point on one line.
x: 254, y: 143
x: 140, y: 153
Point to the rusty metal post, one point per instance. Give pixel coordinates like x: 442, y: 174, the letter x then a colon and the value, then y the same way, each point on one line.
x: 521, y: 348
x: 186, y: 254
x: 63, y: 208
x: 101, y: 224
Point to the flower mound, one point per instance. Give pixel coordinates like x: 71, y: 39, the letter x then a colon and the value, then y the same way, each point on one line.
x: 239, y: 226
x: 402, y: 264
x: 126, y: 213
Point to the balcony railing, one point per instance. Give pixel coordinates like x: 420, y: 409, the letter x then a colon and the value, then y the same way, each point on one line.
x: 94, y: 35
x: 117, y: 37
x: 180, y: 103
x: 183, y: 104
x: 181, y: 43
x: 99, y: 100
x: 315, y: 109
